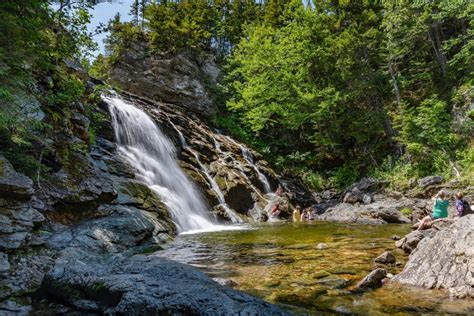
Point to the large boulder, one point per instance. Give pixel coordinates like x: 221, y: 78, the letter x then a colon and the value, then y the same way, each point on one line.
x: 363, y: 214
x: 146, y: 285
x: 444, y: 261
x: 411, y: 240
x: 430, y: 180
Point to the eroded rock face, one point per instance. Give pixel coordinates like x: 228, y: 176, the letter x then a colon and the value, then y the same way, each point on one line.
x: 445, y: 260
x: 178, y: 79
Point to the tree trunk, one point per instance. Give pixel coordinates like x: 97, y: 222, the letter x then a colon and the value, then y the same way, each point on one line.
x: 437, y: 47
x: 394, y: 83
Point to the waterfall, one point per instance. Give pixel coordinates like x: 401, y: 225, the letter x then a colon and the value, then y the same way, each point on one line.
x: 263, y: 179
x: 234, y: 217
x: 151, y: 153
x: 248, y: 157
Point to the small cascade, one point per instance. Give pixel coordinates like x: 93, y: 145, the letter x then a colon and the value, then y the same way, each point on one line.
x: 263, y: 179
x: 215, y: 187
x: 182, y: 140
x: 249, y: 158
x: 153, y: 156
x: 234, y: 217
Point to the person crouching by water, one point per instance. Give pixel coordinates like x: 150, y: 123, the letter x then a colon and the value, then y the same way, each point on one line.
x: 297, y: 214
x: 440, y: 209
x: 307, y: 215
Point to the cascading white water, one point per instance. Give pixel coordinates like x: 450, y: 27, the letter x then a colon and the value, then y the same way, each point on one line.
x: 263, y: 179
x: 248, y: 157
x: 233, y: 216
x: 150, y: 152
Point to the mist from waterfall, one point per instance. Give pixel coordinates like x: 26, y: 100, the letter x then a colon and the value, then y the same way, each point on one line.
x: 146, y: 148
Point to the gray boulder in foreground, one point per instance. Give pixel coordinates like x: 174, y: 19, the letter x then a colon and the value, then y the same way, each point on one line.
x: 146, y: 285
x: 445, y: 261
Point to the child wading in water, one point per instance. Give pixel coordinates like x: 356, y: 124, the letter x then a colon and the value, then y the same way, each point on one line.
x: 440, y: 209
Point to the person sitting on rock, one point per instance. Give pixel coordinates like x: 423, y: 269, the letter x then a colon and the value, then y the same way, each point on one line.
x: 462, y: 206
x: 276, y: 210
x: 297, y: 214
x: 440, y: 209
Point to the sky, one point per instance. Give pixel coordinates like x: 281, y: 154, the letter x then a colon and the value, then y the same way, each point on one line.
x: 103, y: 12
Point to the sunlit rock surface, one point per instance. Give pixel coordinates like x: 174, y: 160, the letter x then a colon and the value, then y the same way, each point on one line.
x: 445, y: 261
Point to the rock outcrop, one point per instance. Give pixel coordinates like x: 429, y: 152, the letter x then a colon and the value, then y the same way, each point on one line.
x: 77, y: 237
x: 372, y: 214
x: 178, y: 79
x: 443, y: 260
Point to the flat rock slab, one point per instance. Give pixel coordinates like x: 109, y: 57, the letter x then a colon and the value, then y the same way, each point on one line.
x: 147, y: 285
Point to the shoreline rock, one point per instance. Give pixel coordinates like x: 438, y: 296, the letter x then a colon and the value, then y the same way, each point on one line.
x: 443, y: 259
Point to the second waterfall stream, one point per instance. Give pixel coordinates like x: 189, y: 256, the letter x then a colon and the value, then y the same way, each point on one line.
x: 147, y: 149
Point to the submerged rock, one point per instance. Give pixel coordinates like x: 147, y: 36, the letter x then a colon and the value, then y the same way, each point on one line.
x: 225, y: 282
x: 446, y: 260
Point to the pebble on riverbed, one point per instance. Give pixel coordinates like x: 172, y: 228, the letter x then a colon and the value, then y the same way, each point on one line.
x: 321, y: 246
x: 225, y: 282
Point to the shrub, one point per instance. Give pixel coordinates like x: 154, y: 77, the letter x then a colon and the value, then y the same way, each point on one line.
x: 406, y: 211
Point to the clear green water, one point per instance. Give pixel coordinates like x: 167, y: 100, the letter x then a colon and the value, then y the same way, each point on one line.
x: 283, y: 264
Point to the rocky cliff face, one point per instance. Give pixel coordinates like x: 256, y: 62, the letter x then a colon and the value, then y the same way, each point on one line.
x: 180, y: 79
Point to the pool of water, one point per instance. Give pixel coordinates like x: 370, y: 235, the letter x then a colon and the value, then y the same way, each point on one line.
x: 311, y: 268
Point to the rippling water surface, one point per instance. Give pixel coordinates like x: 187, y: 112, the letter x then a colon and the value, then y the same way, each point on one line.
x: 310, y: 268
